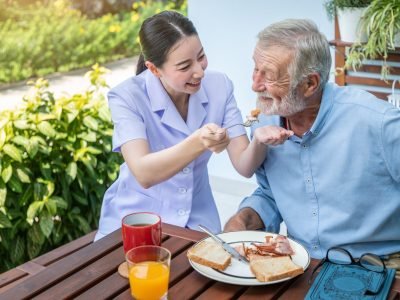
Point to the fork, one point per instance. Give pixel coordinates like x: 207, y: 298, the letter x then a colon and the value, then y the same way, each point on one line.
x: 247, y: 123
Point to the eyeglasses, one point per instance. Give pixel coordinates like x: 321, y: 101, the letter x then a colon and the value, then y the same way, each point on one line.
x: 368, y: 261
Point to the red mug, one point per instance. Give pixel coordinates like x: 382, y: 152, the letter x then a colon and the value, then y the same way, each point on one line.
x: 139, y: 229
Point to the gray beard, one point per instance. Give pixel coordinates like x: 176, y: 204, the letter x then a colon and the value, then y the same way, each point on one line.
x: 289, y: 105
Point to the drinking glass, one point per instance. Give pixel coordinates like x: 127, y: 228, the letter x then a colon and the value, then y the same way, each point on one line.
x: 148, y: 268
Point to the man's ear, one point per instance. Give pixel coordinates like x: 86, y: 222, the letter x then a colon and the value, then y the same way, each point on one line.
x: 153, y: 69
x: 311, y: 84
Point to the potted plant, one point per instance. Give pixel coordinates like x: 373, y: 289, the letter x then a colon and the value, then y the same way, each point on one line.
x: 349, y: 14
x: 382, y: 24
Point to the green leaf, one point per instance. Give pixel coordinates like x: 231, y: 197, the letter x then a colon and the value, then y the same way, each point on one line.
x: 88, y: 136
x: 4, y: 221
x: 22, y: 124
x: 20, y: 140
x: 51, y: 206
x: 91, y: 123
x: 80, y: 199
x: 3, y: 194
x: 13, y: 152
x: 35, y: 235
x: 15, y: 185
x: 71, y: 171
x: 34, y: 248
x: 84, y: 225
x: 33, y: 210
x: 94, y: 150
x: 6, y: 173
x: 23, y: 175
x: 32, y: 148
x: 18, y: 251
x: 3, y: 137
x: 46, y: 129
x: 46, y: 224
x: 60, y: 202
x: 27, y: 195
x: 104, y: 113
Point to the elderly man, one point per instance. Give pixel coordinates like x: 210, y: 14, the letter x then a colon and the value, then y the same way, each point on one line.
x: 336, y: 181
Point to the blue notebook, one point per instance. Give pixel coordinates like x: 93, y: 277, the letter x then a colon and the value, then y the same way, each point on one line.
x: 348, y: 283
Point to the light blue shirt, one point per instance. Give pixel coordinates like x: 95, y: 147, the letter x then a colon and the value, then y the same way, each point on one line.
x: 141, y: 109
x: 340, y: 183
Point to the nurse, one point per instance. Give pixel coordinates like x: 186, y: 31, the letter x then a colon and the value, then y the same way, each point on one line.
x: 168, y: 119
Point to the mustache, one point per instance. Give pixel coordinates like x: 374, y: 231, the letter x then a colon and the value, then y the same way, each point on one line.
x: 264, y: 94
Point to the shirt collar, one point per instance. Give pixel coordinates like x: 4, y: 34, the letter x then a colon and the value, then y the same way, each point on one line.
x: 324, y: 109
x: 161, y: 102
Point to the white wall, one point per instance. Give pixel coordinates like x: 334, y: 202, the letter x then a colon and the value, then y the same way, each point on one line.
x: 228, y: 30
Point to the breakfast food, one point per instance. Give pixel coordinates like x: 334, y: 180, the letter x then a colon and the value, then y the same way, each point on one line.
x: 268, y: 261
x: 210, y: 254
x: 255, y: 112
x: 269, y: 268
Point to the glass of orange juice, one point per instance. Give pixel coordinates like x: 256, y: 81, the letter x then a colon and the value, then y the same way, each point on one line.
x: 148, y: 272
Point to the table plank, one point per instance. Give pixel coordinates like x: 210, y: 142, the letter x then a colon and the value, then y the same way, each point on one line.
x: 193, y: 285
x: 10, y: 276
x: 183, y: 233
x: 300, y: 286
x: 57, y: 271
x: 88, y: 276
x: 65, y: 250
x: 102, y: 290
x: 222, y: 291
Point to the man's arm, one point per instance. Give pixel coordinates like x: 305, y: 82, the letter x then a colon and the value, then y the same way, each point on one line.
x: 245, y: 219
x: 258, y: 211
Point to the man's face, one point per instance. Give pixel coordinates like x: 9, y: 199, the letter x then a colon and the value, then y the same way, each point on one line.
x: 271, y: 82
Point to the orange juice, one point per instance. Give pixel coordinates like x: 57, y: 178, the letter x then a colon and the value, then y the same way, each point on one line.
x: 149, y: 280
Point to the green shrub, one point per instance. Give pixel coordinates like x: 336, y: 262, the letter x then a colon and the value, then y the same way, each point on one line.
x: 41, y: 39
x: 55, y: 165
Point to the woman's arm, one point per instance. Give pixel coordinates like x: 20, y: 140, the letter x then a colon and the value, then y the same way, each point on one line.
x: 247, y: 157
x: 152, y: 168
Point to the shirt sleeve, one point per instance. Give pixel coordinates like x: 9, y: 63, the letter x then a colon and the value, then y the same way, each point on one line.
x: 232, y: 113
x: 128, y: 122
x: 263, y: 203
x: 391, y: 141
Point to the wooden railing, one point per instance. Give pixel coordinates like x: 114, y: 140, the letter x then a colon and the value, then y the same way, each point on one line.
x: 368, y: 75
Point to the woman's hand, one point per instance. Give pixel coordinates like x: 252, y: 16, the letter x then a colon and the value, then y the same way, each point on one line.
x: 213, y: 137
x: 271, y: 135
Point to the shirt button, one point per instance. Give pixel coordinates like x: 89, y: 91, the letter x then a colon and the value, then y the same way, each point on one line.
x: 315, y: 247
x: 182, y: 190
x: 314, y: 213
x: 308, y: 180
x: 181, y: 212
x: 305, y: 146
x: 186, y: 170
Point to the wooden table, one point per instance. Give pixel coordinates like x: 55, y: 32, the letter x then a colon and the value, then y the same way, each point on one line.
x: 86, y: 270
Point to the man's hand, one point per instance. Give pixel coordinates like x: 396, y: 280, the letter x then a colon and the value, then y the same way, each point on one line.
x: 245, y: 219
x: 272, y: 135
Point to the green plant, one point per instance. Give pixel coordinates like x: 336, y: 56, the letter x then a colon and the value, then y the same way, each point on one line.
x: 332, y: 6
x: 37, y: 40
x: 381, y: 22
x: 55, y: 165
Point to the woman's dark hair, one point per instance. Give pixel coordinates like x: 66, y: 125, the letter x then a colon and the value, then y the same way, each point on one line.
x: 159, y: 34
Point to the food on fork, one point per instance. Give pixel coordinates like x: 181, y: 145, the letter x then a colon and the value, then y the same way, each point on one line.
x: 255, y: 112
x: 210, y: 254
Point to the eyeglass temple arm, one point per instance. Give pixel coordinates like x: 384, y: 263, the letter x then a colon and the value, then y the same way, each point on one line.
x: 315, y: 269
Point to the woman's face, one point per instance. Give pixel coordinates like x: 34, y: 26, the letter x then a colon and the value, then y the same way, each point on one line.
x: 184, y: 68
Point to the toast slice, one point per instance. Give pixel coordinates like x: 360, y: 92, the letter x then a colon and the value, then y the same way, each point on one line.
x: 210, y: 254
x: 268, y: 268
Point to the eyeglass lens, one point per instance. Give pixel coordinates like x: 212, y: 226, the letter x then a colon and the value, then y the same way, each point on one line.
x: 339, y: 256
x: 372, y: 262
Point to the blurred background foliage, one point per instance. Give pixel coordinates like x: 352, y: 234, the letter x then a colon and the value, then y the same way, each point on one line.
x: 47, y: 36
x: 55, y: 165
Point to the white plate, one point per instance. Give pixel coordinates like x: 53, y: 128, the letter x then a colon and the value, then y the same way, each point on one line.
x: 238, y: 272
